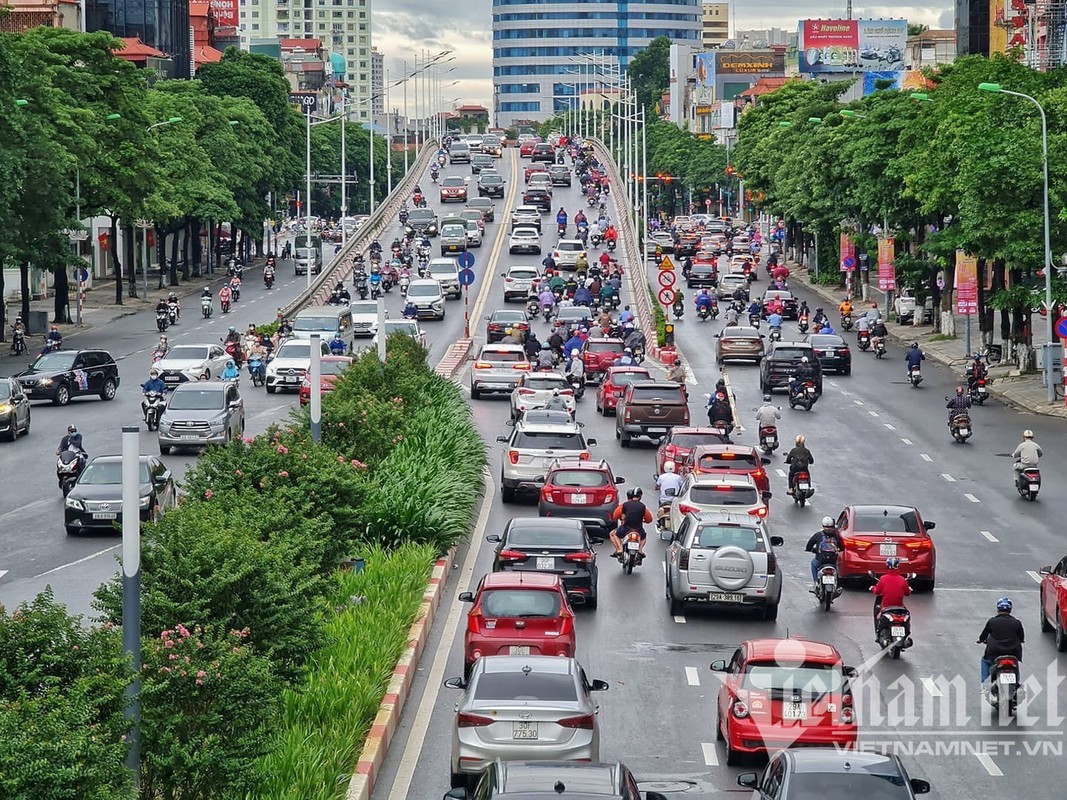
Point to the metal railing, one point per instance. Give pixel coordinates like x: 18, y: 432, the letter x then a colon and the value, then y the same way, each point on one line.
x: 344, y: 261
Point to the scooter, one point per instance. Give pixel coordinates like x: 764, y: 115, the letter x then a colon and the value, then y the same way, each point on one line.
x: 1004, y: 684
x: 1028, y: 482
x: 960, y: 427
x: 152, y: 408
x: 846, y: 322
x: 257, y: 370
x: 679, y: 310
x: 864, y: 339
x: 915, y: 376
x: 802, y: 488
x: 172, y: 310
x: 268, y: 280
x: 631, y: 552
x: 893, y: 627
x: 162, y: 320
x: 754, y: 321
x: 225, y: 304
x: 361, y: 288
x: 768, y: 438
x: 826, y: 588
x: 802, y: 323
x: 776, y: 334
x: 205, y: 307
x: 879, y: 347
x: 577, y: 385
x: 18, y: 344
x: 805, y: 396
x: 979, y: 391
x: 69, y: 466
x: 546, y: 311
x: 703, y: 313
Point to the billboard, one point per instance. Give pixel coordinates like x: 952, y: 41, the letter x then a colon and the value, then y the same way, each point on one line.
x: 911, y: 80
x: 851, y: 45
x: 887, y: 276
x: 966, y: 283
x: 749, y: 62
x: 848, y: 253
x: 704, y: 88
x: 225, y: 13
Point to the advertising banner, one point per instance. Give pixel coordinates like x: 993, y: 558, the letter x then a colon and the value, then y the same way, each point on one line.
x: 225, y: 13
x: 911, y: 80
x: 848, y: 253
x: 887, y: 271
x: 704, y: 88
x: 749, y: 62
x: 966, y: 283
x: 882, y: 43
x: 829, y: 45
x: 727, y: 114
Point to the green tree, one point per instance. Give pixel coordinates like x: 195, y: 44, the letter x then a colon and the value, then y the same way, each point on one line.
x: 650, y: 72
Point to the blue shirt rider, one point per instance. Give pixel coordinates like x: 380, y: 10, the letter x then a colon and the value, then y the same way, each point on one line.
x: 411, y: 311
x: 574, y: 343
x: 154, y: 384
x: 754, y: 308
x: 827, y: 328
x: 561, y: 217
x: 626, y: 359
x: 914, y: 356
x: 625, y: 316
x: 774, y: 320
x: 337, y: 345
x: 582, y: 297
x: 703, y: 300
x: 230, y: 373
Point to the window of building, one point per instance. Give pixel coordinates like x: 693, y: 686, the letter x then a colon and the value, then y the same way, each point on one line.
x: 515, y: 107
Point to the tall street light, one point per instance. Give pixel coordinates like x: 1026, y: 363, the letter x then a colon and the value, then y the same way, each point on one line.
x: 1050, y: 338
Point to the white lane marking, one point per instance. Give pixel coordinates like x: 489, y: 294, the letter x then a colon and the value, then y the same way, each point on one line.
x: 781, y: 473
x: 931, y: 687
x: 846, y: 394
x: 925, y: 457
x: 711, y: 754
x: 989, y: 536
x: 1034, y: 575
x: 3, y: 572
x: 874, y: 413
x: 972, y: 498
x: 990, y: 765
x: 906, y: 441
x: 692, y: 676
x: 948, y: 477
x: 680, y: 620
x: 421, y: 723
x: 890, y: 427
x: 79, y: 561
x: 858, y: 402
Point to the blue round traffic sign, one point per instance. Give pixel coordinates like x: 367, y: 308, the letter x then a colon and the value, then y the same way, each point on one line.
x: 466, y: 259
x: 850, y: 262
x: 83, y: 275
x: 1061, y: 328
x: 466, y: 277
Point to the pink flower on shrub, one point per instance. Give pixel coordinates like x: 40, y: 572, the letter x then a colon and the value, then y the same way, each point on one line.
x: 208, y: 494
x: 358, y: 464
x: 283, y: 474
x: 304, y: 456
x: 238, y: 473
x: 340, y: 459
x: 169, y: 643
x: 283, y: 449
x: 201, y: 674
x: 75, y: 647
x: 199, y: 682
x: 249, y: 440
x: 172, y: 657
x: 340, y: 424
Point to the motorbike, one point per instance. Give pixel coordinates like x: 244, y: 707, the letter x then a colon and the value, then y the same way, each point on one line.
x: 802, y: 488
x: 69, y: 466
x: 442, y: 160
x: 805, y: 396
x: 433, y: 175
x: 611, y: 245
x: 361, y: 288
x: 403, y: 216
x: 533, y: 307
x: 879, y: 347
x: 768, y: 439
x: 1004, y: 684
x: 152, y: 408
x: 864, y: 339
x: 893, y: 628
x: 18, y: 343
x: 754, y: 320
x: 1028, y: 482
x: 802, y: 323
x: 546, y: 311
x: 703, y: 313
x: 776, y: 333
x: 631, y: 552
x: 577, y: 385
x: 172, y: 311
x: 205, y: 307
x: 224, y: 303
x: 679, y: 310
x: 597, y: 239
x: 404, y: 282
x: 960, y: 427
x: 616, y: 301
x: 233, y: 350
x: 162, y: 320
x: 268, y: 280
x: 561, y: 229
x: 826, y: 588
x: 915, y: 376
x: 257, y: 370
x: 979, y: 391
x: 235, y: 292
x: 846, y: 322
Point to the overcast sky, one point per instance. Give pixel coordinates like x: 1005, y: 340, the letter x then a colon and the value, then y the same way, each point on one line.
x: 406, y: 29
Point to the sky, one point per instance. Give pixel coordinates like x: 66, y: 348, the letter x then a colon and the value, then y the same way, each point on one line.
x: 408, y: 29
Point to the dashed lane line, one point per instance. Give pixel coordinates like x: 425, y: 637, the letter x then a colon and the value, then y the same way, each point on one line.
x: 889, y: 426
x: 781, y: 473
x: 925, y: 457
x: 989, y: 764
x: 858, y: 402
x: 711, y: 753
x: 906, y: 441
x: 89, y: 557
x: 680, y: 620
x: 972, y: 498
x: 692, y: 676
x: 989, y: 536
x: 948, y: 477
x: 874, y: 413
x: 3, y: 572
x: 1036, y: 577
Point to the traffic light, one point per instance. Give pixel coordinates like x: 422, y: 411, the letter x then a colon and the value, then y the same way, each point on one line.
x: 730, y: 171
x: 666, y: 178
x: 668, y: 334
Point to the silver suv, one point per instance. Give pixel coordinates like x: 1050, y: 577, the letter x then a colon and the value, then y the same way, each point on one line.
x: 725, y: 560
x: 201, y: 413
x: 532, y: 449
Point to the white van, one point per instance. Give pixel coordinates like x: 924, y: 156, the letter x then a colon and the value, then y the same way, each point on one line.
x: 325, y: 321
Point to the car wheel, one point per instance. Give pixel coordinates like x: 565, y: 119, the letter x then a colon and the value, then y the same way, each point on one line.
x: 164, y: 450
x: 677, y: 607
x: 475, y: 393
x: 458, y: 780
x: 718, y: 730
x: 847, y: 370
x: 62, y: 395
x: 770, y: 612
x: 27, y: 431
x: 1061, y: 635
x: 926, y: 586
x: 271, y: 389
x: 507, y: 494
x: 206, y: 376
x: 1046, y: 626
x: 733, y: 758
x: 108, y: 392
x: 72, y: 531
x: 13, y: 430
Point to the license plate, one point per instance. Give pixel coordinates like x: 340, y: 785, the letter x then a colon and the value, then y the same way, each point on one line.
x: 1034, y: 487
x: 292, y: 378
x: 828, y: 580
x: 657, y: 430
x: 189, y: 437
x: 519, y: 650
x: 897, y: 631
x: 794, y: 711
x: 580, y: 499
x: 768, y: 440
x: 803, y: 487
x: 632, y: 547
x: 524, y: 730
x: 1007, y: 677
x: 722, y: 597
x: 887, y: 550
x: 965, y: 431
x: 546, y: 563
x: 106, y: 515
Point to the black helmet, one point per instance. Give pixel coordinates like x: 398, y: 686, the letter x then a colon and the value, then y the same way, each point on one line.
x: 766, y: 398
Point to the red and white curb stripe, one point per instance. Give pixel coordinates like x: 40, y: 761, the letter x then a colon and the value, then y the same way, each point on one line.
x: 453, y: 358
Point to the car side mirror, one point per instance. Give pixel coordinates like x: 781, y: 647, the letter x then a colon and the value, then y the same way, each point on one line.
x: 718, y: 666
x: 164, y: 476
x: 766, y: 496
x: 466, y: 597
x: 493, y: 537
x: 502, y: 275
x: 455, y: 683
x: 748, y: 779
x: 455, y: 794
x: 851, y: 672
x: 619, y: 479
x: 510, y: 423
x: 235, y: 404
x: 777, y: 541
x: 1045, y: 570
x: 599, y: 686
x: 929, y: 525
x: 591, y: 442
x: 502, y: 439
x: 920, y: 786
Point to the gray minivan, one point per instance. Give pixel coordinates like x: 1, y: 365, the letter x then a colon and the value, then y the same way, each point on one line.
x: 325, y: 321
x: 305, y: 257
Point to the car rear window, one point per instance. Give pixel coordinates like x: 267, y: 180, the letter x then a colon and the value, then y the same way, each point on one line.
x: 907, y: 522
x: 791, y: 352
x: 726, y: 461
x: 544, y: 382
x: 812, y: 679
x: 734, y: 332
x: 533, y: 686
x: 524, y: 274
x: 605, y: 347
x: 584, y: 478
x: 570, y: 247
x: 694, y: 439
x: 520, y: 603
x: 826, y: 341
x: 626, y: 378
x: 848, y: 785
x: 544, y: 440
x: 509, y: 356
x: 534, y: 536
x: 713, y: 536
x: 666, y: 394
x: 723, y: 495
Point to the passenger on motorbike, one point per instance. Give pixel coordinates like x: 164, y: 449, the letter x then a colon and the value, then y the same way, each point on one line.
x: 1026, y: 455
x: 825, y: 544
x: 774, y: 320
x: 626, y: 359
x: 957, y: 405
x: 65, y: 442
x: 337, y: 345
x: 975, y: 370
x: 799, y: 459
x: 230, y: 373
x: 162, y: 348
x: 1002, y: 636
x: 863, y: 325
x: 546, y: 358
x: 890, y: 590
x: 803, y: 373
x: 632, y: 516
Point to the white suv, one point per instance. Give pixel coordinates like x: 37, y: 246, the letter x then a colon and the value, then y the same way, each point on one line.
x: 519, y: 281
x: 567, y: 251
x: 446, y: 272
x: 290, y: 364
x: 427, y: 297
x: 726, y: 493
x: 532, y: 449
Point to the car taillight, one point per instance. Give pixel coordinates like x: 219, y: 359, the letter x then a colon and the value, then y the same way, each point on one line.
x: 842, y: 351
x: 583, y: 557
x: 514, y: 456
x: 474, y: 621
x: 683, y: 559
x: 584, y: 456
x: 512, y: 555
x: 546, y: 494
x: 920, y: 544
x: 527, y: 392
x: 482, y: 365
x: 685, y: 508
x: 739, y: 709
x: 584, y: 722
x: 524, y: 365
x: 760, y: 512
x: 465, y: 720
x: 609, y: 496
x: 859, y: 544
x: 670, y: 450
x: 772, y: 564
x: 848, y: 716
x: 759, y: 475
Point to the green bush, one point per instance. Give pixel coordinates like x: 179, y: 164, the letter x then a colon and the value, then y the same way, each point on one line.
x: 660, y: 320
x: 326, y: 718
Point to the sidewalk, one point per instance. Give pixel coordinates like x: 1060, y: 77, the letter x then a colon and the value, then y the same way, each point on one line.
x: 1023, y: 391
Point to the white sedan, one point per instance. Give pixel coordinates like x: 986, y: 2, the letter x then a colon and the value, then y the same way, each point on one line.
x: 525, y: 240
x: 191, y: 362
x: 735, y: 494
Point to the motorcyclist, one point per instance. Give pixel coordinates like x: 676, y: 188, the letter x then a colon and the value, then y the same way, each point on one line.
x: 411, y: 311
x: 230, y: 372
x: 890, y: 590
x: 581, y: 264
x: 720, y: 409
x: 337, y: 345
x: 512, y: 336
x: 1002, y: 636
x: 557, y: 283
x: 767, y: 415
x: 546, y: 358
x: 874, y: 313
x: 975, y: 371
x: 626, y: 359
x: 232, y: 336
x: 754, y: 309
x: 561, y: 217
x: 54, y: 340
x: 225, y: 294
x: 576, y: 366
x: 626, y: 316
x: 818, y: 319
x: 669, y: 483
x: 775, y: 306
x: 64, y: 443
x: 207, y: 293
x: 845, y: 308
x: 959, y: 404
x: 573, y: 343
x: 235, y: 287
x: 914, y: 356
x: 799, y: 459
x: 154, y: 383
x: 1026, y: 455
x: 825, y: 544
x: 774, y: 320
x: 172, y: 300
x: 676, y: 372
x: 703, y: 300
x: 582, y: 296
x: 285, y: 328
x: 878, y: 330
x: 556, y: 402
x: 163, y: 307
x: 580, y: 218
x: 803, y: 373
x: 549, y: 263
x: 546, y: 299
x: 632, y: 516
x: 162, y: 348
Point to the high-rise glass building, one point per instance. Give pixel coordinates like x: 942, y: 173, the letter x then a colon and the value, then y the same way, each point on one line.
x: 539, y: 46
x: 162, y: 24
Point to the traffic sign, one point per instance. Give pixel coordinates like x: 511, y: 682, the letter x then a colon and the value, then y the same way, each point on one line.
x: 466, y: 259
x: 666, y: 263
x: 666, y: 296
x: 82, y: 275
x: 707, y: 202
x: 466, y: 276
x: 1061, y: 328
x: 849, y: 262
x: 666, y: 279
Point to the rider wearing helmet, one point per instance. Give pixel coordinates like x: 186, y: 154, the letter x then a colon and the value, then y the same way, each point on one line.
x: 1027, y: 454
x: 632, y: 516
x: 958, y: 404
x: 798, y: 459
x: 669, y: 483
x: 546, y: 359
x: 890, y: 590
x: 804, y: 372
x: 576, y: 366
x: 1002, y: 636
x: 825, y: 544
x: 557, y: 402
x: 914, y: 357
x: 767, y: 415
x: 64, y: 443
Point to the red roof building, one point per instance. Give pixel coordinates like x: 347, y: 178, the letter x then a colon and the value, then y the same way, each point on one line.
x: 137, y: 52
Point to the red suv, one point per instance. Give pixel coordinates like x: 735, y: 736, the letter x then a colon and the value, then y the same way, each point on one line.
x: 679, y: 442
x: 729, y: 459
x: 616, y: 379
x: 517, y: 614
x: 598, y: 355
x: 780, y: 693
x: 581, y: 490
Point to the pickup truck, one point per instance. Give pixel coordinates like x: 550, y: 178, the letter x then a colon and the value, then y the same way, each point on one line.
x: 650, y: 408
x: 904, y: 308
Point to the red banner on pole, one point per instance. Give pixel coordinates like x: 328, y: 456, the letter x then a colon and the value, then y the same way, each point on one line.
x: 887, y: 270
x: 966, y: 283
x: 848, y: 253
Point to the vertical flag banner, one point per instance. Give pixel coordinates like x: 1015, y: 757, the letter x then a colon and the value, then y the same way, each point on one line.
x: 848, y: 253
x: 966, y: 283
x: 887, y: 271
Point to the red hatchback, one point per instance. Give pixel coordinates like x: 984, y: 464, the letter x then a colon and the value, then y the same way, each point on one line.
x: 729, y: 459
x: 599, y: 354
x: 780, y: 693
x: 611, y: 389
x: 1054, y: 602
x: 527, y: 147
x: 518, y: 614
x: 583, y: 490
x: 873, y: 534
x: 679, y: 442
x: 332, y: 369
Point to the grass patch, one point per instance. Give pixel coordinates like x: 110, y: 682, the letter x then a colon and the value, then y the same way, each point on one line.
x: 325, y: 720
x: 942, y: 337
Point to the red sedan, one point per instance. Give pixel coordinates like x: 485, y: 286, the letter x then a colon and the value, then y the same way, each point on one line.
x: 332, y: 369
x: 527, y: 147
x: 779, y: 693
x: 873, y: 534
x: 518, y: 614
x: 616, y: 379
x: 729, y: 459
x: 1054, y: 602
x: 679, y: 442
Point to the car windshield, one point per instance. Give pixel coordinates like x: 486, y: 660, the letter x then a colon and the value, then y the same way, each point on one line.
x: 453, y: 181
x: 108, y: 473
x: 303, y: 252
x: 518, y: 687
x: 423, y: 290
x: 488, y: 179
x: 420, y: 216
x: 525, y: 233
x: 406, y: 327
x: 545, y: 440
x: 785, y: 297
x: 734, y: 332
x: 334, y: 367
x: 186, y: 353
x: 812, y: 679
x: 294, y: 350
x: 543, y: 382
x: 719, y: 495
x: 520, y: 603
x: 5, y: 390
x: 693, y: 439
x: 454, y: 230
x: 672, y: 395
x: 524, y: 274
x: 580, y: 478
x: 534, y: 536
x: 894, y: 522
x: 509, y: 316
x: 848, y: 785
x: 55, y: 362
x: 569, y: 247
x: 605, y: 347
x: 197, y: 400
x: 712, y: 536
x: 505, y: 356
x: 325, y: 323
x: 364, y: 307
x: 822, y: 340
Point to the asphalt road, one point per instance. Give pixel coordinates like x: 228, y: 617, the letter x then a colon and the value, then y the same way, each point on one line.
x: 35, y: 552
x: 875, y: 439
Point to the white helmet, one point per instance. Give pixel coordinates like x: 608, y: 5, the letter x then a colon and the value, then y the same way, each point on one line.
x: 828, y: 522
x: 1028, y: 434
x: 668, y: 467
x: 574, y: 352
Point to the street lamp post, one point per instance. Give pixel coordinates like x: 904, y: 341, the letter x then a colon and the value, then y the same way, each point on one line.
x: 1050, y: 338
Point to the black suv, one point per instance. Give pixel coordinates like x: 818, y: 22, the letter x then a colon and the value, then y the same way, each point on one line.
x: 480, y: 161
x: 537, y: 197
x: 421, y: 221
x: 544, y: 152
x: 555, y: 780
x: 559, y: 174
x: 781, y: 362
x: 490, y: 185
x: 62, y: 374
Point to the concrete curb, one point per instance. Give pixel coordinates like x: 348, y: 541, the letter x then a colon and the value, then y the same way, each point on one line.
x: 385, y: 722
x: 454, y: 358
